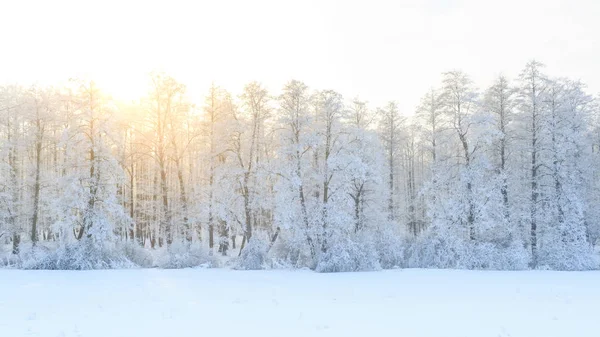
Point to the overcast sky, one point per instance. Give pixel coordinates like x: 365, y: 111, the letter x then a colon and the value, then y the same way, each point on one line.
x: 380, y: 50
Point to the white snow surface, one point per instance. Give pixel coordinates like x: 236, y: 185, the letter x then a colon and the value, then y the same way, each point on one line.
x: 221, y: 302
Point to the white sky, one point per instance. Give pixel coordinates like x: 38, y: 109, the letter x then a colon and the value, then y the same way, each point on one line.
x: 381, y: 50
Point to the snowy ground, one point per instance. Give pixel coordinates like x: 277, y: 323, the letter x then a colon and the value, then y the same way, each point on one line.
x: 196, y: 302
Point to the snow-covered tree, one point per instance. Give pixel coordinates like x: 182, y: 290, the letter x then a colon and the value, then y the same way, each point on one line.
x: 533, y: 85
x: 508, y: 180
x: 391, y: 134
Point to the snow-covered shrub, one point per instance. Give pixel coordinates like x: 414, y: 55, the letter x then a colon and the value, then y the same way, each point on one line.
x: 567, y: 256
x: 136, y: 254
x: 183, y: 255
x: 254, y: 256
x: 81, y: 255
x: 290, y: 251
x: 283, y: 255
x: 485, y: 255
x: 9, y: 260
x: 435, y: 251
x: 390, y: 249
x: 30, y: 255
x: 349, y: 254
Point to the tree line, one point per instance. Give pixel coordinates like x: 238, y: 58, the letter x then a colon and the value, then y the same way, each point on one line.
x: 502, y: 178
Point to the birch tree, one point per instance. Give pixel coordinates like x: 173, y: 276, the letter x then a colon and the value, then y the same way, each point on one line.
x: 390, y: 130
x: 296, y: 123
x: 500, y: 100
x: 532, y: 90
x: 459, y: 104
x: 246, y: 138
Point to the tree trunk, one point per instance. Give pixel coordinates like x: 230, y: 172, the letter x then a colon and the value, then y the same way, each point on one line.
x: 184, y: 202
x: 247, y: 210
x: 14, y: 193
x: 391, y: 182
x: 357, y: 222
x: 211, y: 220
x: 303, y: 207
x: 534, y: 186
x: 166, y: 216
x: 471, y: 206
x: 223, y: 238
x: 16, y: 240
x: 36, y: 189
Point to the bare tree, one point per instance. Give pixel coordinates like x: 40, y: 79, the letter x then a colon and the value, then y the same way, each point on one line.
x: 359, y: 117
x: 533, y: 87
x: 42, y: 106
x: 430, y: 112
x: 391, y: 128
x: 218, y: 107
x: 255, y: 100
x: 331, y: 111
x: 460, y: 101
x: 12, y: 110
x: 163, y: 104
x: 500, y: 100
x: 294, y: 106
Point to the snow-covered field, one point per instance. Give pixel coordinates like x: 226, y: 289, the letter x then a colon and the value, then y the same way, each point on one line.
x: 200, y: 302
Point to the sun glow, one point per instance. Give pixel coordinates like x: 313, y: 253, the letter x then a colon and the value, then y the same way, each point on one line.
x: 380, y: 50
x: 124, y: 88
